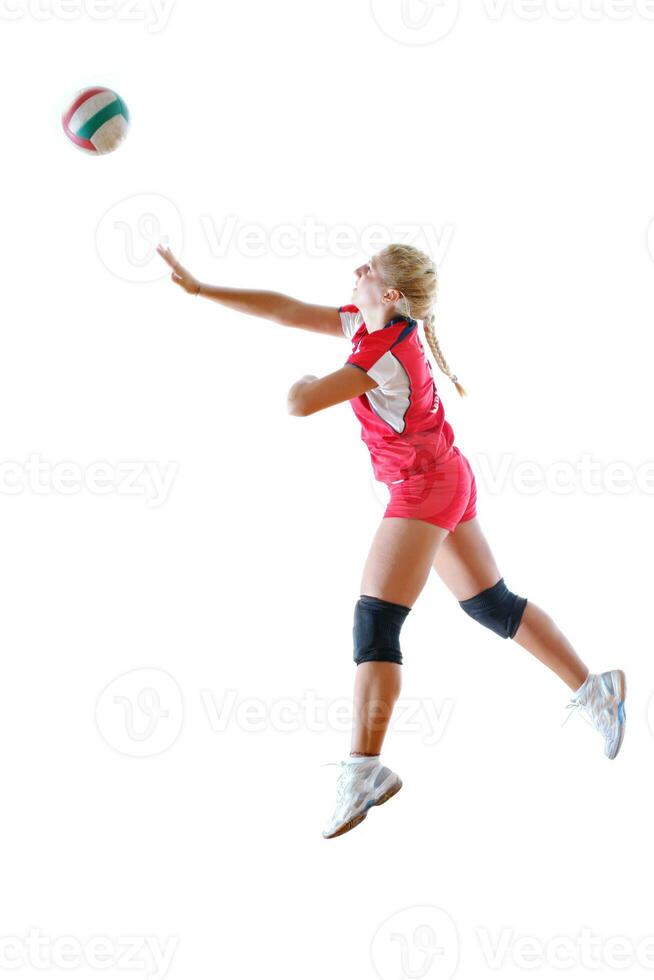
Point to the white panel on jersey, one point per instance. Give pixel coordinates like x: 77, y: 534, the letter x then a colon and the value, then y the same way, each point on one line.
x: 392, y: 399
x: 385, y: 370
x: 350, y: 323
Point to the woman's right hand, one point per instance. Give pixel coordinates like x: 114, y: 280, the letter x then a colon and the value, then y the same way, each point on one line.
x: 180, y: 275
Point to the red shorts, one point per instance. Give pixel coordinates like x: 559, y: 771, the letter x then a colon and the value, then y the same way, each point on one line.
x: 446, y: 495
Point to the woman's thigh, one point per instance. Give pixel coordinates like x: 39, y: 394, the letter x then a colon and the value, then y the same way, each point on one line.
x: 466, y: 563
x: 400, y: 559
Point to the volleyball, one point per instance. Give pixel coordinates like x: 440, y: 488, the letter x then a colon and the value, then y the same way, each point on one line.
x: 96, y: 121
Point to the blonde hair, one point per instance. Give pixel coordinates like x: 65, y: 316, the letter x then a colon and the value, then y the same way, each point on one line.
x: 414, y: 275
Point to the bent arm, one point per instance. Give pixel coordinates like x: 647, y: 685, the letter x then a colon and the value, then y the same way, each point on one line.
x: 311, y: 394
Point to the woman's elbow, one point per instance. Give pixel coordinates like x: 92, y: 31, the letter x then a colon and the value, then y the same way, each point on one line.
x: 295, y: 407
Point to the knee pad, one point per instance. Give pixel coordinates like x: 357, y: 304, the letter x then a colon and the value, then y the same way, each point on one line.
x: 496, y: 608
x: 376, y: 632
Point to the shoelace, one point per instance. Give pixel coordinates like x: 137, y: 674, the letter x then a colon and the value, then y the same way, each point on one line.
x: 572, y: 706
x: 602, y: 718
x: 341, y: 764
x: 323, y: 764
x: 579, y: 706
x: 346, y: 778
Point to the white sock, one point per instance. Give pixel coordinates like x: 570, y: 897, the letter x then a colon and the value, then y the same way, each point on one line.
x: 358, y: 760
x: 575, y: 693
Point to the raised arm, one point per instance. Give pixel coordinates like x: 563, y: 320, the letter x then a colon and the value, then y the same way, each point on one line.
x: 258, y: 302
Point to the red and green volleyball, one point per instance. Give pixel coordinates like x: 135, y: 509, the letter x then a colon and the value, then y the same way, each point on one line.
x: 97, y: 120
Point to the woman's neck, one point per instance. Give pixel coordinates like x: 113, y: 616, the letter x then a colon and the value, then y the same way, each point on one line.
x: 378, y: 318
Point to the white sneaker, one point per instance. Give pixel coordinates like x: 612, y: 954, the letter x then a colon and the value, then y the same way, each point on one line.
x: 359, y: 787
x: 602, y: 697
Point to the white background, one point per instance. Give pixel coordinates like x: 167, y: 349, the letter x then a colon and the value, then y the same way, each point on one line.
x: 522, y: 142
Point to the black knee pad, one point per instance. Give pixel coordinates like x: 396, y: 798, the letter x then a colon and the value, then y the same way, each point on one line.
x: 376, y: 632
x: 496, y: 608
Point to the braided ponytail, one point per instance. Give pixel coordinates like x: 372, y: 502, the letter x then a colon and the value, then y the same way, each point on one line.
x: 435, y: 347
x: 414, y: 275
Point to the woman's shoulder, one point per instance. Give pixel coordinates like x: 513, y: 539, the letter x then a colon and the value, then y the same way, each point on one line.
x: 351, y: 320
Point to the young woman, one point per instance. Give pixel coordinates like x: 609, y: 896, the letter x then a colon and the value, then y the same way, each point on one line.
x: 430, y: 520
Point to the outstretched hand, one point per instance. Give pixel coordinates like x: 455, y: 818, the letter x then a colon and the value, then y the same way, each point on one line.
x: 180, y: 275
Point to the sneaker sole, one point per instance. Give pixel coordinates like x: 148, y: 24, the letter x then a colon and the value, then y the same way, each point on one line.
x: 620, y: 687
x: 355, y: 821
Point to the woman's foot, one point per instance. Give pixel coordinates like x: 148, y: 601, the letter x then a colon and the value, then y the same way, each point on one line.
x: 602, y: 698
x: 360, y: 786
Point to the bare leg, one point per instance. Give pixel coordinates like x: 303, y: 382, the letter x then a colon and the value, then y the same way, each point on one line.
x: 466, y: 565
x: 376, y: 689
x: 397, y: 568
x: 540, y: 635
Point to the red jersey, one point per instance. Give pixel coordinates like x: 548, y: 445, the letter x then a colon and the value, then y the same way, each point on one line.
x: 402, y: 420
